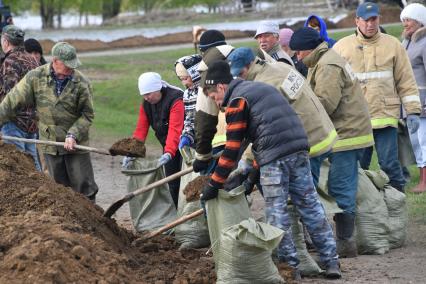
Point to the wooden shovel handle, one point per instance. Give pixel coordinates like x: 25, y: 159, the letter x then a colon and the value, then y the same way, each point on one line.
x: 173, y: 224
x: 53, y: 143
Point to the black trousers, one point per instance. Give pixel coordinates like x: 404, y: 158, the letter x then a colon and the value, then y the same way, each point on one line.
x: 75, y: 171
x: 170, y: 168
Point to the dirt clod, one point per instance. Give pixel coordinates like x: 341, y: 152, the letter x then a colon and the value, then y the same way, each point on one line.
x: 50, y: 234
x: 128, y: 147
x: 194, y: 188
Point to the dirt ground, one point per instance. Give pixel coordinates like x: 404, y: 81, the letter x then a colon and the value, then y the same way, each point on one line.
x: 404, y: 265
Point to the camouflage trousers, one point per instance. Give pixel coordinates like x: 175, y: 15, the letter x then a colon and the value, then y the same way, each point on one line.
x: 292, y: 175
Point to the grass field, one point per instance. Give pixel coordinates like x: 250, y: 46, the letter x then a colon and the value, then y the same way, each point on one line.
x: 117, y: 100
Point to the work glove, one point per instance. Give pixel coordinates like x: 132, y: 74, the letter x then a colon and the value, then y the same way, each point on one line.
x: 126, y: 161
x: 164, y: 159
x: 413, y: 122
x: 244, y: 166
x: 252, y: 179
x: 184, y: 141
x: 200, y: 165
x: 209, y: 192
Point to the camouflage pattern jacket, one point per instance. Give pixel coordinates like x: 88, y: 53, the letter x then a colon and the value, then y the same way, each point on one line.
x: 15, y: 64
x: 70, y: 112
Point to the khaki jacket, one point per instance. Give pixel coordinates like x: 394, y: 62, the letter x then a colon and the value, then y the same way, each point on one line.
x: 293, y: 86
x: 339, y: 91
x: 382, y: 66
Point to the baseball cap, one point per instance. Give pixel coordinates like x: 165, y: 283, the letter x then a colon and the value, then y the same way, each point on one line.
x: 239, y: 58
x: 13, y: 32
x: 367, y: 10
x: 67, y: 54
x: 267, y: 27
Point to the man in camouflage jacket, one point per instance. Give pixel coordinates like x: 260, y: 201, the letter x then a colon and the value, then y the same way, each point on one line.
x: 15, y: 64
x: 63, y: 99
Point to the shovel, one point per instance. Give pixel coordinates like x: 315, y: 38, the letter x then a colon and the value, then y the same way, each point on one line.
x: 53, y: 143
x: 173, y: 224
x: 117, y: 204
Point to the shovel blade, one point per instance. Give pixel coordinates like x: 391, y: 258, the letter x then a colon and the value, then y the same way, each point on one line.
x: 114, y: 207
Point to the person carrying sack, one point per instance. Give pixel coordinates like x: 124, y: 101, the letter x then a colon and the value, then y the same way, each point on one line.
x: 258, y: 113
x: 163, y: 110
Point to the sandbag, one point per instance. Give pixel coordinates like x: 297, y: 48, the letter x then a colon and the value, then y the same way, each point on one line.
x: 371, y: 220
x: 155, y: 208
x: 245, y: 254
x: 307, y: 265
x: 379, y: 178
x: 228, y: 209
x: 328, y: 202
x: 193, y: 233
x: 398, y: 216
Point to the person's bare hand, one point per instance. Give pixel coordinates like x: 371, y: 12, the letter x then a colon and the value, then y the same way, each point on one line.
x: 69, y: 144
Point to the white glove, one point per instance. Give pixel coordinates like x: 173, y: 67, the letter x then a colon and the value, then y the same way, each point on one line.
x: 244, y: 167
x: 164, y: 159
x: 126, y: 161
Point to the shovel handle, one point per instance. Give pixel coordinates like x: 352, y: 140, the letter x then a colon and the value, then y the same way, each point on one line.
x: 53, y: 143
x: 173, y: 224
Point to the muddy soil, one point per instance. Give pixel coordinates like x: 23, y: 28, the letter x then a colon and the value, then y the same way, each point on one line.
x: 128, y: 147
x: 389, y: 14
x: 194, y: 188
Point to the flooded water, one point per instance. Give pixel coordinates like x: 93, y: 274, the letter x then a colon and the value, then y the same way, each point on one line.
x: 32, y: 25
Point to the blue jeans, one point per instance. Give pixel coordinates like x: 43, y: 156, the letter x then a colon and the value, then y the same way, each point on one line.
x: 10, y: 129
x: 292, y: 175
x: 386, y: 144
x: 342, y: 177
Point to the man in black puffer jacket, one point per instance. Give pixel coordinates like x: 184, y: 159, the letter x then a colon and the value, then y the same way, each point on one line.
x: 258, y: 113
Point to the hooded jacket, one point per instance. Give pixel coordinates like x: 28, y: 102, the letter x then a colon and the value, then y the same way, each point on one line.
x: 339, y: 91
x: 294, y: 87
x: 382, y: 67
x: 416, y: 49
x: 323, y: 29
x: 210, y: 125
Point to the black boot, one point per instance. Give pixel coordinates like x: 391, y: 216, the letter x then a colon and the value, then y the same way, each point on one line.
x: 346, y: 244
x: 332, y: 271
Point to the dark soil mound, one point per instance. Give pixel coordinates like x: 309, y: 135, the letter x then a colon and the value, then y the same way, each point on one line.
x: 50, y: 234
x: 194, y: 188
x: 128, y: 147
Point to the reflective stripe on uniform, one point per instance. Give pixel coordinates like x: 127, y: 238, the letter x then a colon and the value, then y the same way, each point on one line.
x: 374, y: 75
x: 219, y: 140
x: 323, y: 144
x: 354, y: 141
x: 377, y: 122
x: 409, y: 99
x: 421, y: 87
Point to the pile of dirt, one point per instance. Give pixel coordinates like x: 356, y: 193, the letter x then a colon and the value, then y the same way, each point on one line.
x: 48, y: 233
x: 128, y: 147
x: 194, y: 188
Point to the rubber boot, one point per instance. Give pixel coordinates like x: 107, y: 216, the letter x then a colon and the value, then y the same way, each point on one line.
x: 421, y: 187
x: 346, y: 244
x: 332, y: 271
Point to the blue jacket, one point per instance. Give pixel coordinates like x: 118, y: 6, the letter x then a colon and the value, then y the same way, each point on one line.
x: 323, y: 30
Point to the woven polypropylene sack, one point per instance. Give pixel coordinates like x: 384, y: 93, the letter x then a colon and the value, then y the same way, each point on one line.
x: 398, y: 216
x: 228, y: 209
x: 372, y: 218
x: 245, y: 254
x: 152, y: 209
x: 193, y: 233
x: 307, y: 265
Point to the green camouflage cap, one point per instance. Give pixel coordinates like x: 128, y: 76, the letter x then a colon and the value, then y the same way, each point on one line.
x: 13, y: 32
x: 67, y: 54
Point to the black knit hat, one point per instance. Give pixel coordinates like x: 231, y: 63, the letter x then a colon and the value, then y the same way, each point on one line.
x: 305, y: 39
x: 219, y: 72
x: 210, y: 39
x: 32, y: 45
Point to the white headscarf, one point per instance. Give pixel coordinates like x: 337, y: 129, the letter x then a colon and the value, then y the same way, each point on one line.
x: 151, y: 82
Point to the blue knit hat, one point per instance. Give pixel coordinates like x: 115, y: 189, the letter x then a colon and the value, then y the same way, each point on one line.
x: 305, y: 39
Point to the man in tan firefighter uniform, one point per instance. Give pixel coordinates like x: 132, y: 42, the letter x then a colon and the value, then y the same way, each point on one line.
x: 294, y: 87
x: 339, y: 91
x: 382, y: 66
x: 210, y: 125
